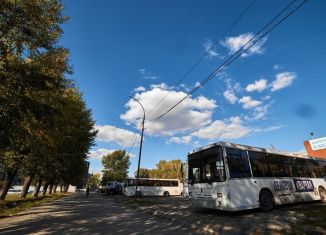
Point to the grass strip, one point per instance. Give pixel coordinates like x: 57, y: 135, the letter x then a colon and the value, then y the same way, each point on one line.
x: 316, y: 216
x: 13, y: 204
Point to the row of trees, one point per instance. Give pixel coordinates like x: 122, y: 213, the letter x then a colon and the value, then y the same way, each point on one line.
x: 164, y: 169
x: 45, y: 128
x: 116, y: 166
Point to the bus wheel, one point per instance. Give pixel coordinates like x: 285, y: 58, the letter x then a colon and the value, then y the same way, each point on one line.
x: 166, y: 194
x: 322, y: 193
x: 266, y: 200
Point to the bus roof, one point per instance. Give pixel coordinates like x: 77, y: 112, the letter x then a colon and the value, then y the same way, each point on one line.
x: 151, y: 179
x: 252, y: 148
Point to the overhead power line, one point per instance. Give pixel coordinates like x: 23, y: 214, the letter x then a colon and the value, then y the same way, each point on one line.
x: 204, y: 54
x: 256, y: 38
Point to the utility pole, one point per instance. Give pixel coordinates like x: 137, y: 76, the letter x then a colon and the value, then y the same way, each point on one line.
x: 141, y: 144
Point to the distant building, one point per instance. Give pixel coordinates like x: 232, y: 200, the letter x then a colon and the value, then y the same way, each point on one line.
x: 84, y: 177
x: 316, y: 147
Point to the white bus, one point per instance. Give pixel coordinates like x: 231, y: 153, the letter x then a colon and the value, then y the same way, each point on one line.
x: 152, y: 187
x: 234, y: 177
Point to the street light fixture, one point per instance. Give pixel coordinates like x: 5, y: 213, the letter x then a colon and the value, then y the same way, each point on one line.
x: 141, y: 143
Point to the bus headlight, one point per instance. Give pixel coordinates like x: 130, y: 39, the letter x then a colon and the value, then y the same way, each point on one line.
x: 219, y: 195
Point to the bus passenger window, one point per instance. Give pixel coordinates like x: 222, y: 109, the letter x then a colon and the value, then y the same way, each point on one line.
x: 238, y: 163
x: 196, y: 174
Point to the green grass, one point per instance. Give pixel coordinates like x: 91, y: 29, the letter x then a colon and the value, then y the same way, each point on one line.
x: 316, y: 216
x: 14, y: 204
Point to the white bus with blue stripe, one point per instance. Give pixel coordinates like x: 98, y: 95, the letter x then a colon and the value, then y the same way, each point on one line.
x: 235, y: 177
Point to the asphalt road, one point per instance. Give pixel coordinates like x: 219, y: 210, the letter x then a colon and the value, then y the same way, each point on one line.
x: 108, y: 214
x: 94, y: 215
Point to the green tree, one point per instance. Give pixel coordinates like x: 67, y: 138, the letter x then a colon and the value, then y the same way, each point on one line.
x: 116, y: 166
x: 45, y: 128
x: 167, y: 169
x: 94, y: 180
x: 32, y: 72
x: 143, y: 173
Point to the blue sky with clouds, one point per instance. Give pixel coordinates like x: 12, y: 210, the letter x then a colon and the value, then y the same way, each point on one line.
x: 272, y: 95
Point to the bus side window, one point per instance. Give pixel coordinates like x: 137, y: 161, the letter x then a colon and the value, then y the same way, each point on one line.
x: 259, y: 164
x: 285, y: 166
x: 238, y: 163
x: 196, y: 174
x: 274, y: 165
x: 322, y: 168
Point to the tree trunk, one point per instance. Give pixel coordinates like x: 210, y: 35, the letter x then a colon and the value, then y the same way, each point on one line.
x: 7, y: 183
x: 61, y: 188
x: 66, y: 188
x: 45, y: 188
x: 50, y: 188
x: 27, y: 184
x: 38, y: 187
x: 55, y: 188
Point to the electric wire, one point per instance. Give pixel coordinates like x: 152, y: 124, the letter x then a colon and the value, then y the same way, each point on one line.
x: 203, y: 56
x: 237, y: 54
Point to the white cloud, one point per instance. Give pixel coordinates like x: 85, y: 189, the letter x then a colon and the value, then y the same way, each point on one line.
x: 161, y: 86
x: 283, y: 80
x: 112, y: 134
x: 231, y: 128
x: 229, y: 93
x: 140, y: 89
x: 198, y: 84
x: 233, y: 44
x: 142, y: 71
x: 272, y: 128
x: 237, y: 87
x: 99, y: 153
x: 190, y: 114
x: 260, y: 112
x: 277, y: 67
x: 230, y: 96
x: 248, y: 103
x: 146, y: 74
x: 210, y: 49
x: 180, y: 140
x: 258, y: 85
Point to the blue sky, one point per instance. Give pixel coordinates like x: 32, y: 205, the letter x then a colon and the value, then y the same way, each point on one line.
x: 273, y: 95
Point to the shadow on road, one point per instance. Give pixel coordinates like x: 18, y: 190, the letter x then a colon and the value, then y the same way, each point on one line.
x: 95, y: 215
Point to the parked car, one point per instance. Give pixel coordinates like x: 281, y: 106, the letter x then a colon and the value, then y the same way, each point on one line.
x: 14, y: 191
x: 114, y: 187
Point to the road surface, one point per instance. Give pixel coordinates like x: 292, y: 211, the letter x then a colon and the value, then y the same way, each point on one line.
x: 94, y: 215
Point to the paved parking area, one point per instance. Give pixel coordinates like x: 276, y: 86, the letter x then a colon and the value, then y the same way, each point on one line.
x: 96, y: 214
x: 286, y: 219
x: 110, y: 214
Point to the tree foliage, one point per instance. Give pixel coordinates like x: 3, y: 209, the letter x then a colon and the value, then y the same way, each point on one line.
x: 116, y: 165
x: 94, y: 180
x: 45, y: 128
x: 164, y: 169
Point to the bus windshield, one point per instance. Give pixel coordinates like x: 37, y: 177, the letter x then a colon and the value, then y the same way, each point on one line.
x: 206, y: 166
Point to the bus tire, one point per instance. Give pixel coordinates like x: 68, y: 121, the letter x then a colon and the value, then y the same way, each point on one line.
x: 166, y: 194
x: 322, y: 194
x: 266, y: 200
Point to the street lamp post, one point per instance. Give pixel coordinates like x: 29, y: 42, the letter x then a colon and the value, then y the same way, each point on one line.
x: 141, y: 143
